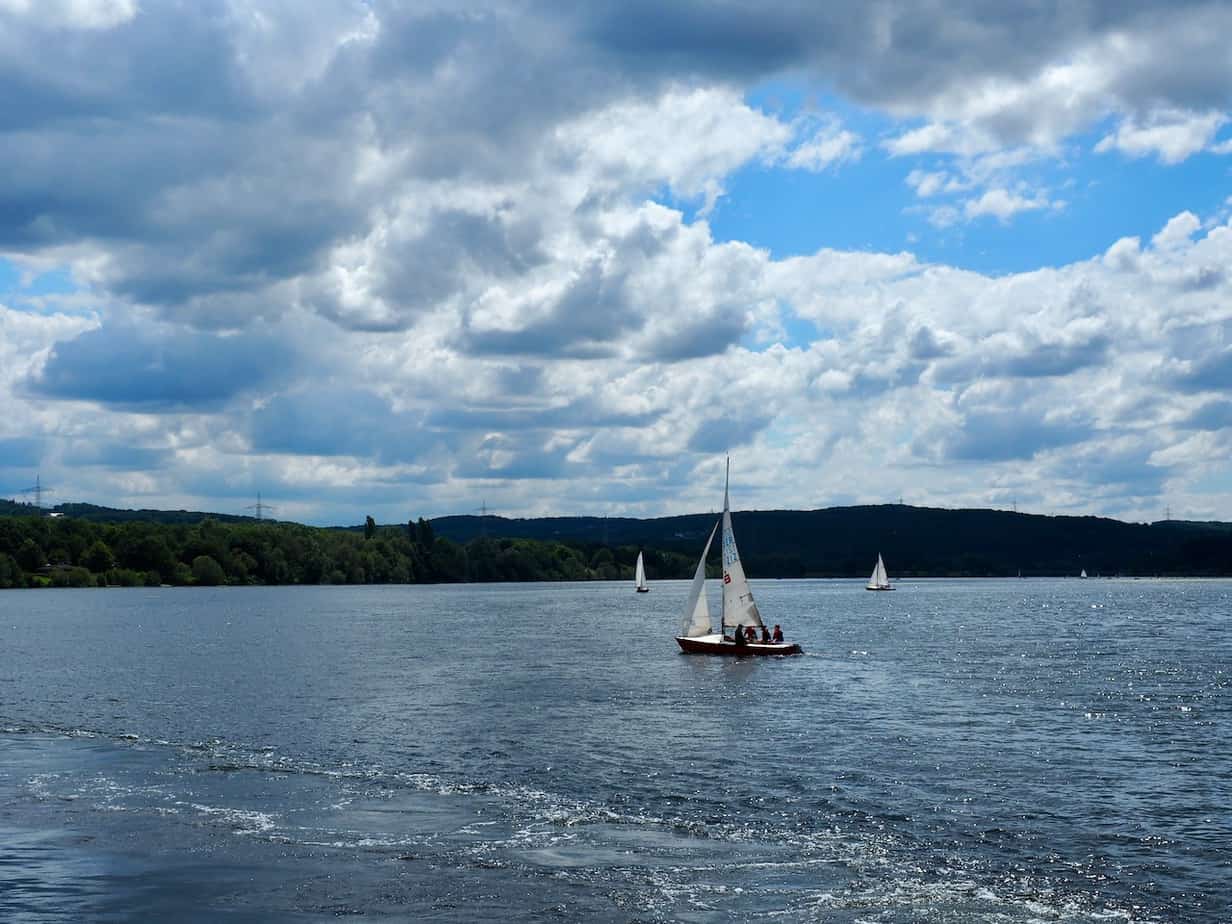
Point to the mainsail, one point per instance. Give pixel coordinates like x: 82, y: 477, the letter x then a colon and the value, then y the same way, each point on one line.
x: 639, y: 573
x: 879, y: 577
x: 738, y: 606
x: 697, y: 612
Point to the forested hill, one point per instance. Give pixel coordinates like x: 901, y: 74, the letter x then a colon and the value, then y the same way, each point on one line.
x: 83, y: 544
x: 97, y: 514
x: 845, y: 541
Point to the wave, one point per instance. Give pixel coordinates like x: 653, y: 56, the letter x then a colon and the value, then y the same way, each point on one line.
x: 807, y: 861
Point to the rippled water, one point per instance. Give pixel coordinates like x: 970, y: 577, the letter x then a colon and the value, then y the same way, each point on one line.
x: 1003, y: 751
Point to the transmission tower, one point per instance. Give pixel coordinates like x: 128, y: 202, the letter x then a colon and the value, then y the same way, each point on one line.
x: 38, y: 491
x: 483, y: 511
x: 260, y: 507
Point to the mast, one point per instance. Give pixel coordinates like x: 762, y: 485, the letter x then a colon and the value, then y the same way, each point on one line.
x: 724, y: 519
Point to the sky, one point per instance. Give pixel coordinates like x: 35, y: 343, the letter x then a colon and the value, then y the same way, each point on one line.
x: 408, y: 259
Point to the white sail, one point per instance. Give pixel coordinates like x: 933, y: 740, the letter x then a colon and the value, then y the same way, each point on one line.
x: 879, y: 577
x: 639, y: 574
x: 738, y: 606
x: 1084, y: 573
x: 697, y: 611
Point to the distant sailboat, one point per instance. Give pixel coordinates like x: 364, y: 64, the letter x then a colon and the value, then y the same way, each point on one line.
x: 879, y: 580
x: 738, y: 608
x: 639, y: 576
x: 1084, y: 574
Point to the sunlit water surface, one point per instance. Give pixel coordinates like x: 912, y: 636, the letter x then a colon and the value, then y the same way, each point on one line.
x: 1007, y: 751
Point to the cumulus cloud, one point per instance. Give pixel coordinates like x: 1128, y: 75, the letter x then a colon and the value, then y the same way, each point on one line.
x: 1177, y: 232
x: 687, y: 139
x: 404, y: 248
x: 828, y: 146
x: 1002, y: 204
x: 1171, y: 135
x: 71, y: 14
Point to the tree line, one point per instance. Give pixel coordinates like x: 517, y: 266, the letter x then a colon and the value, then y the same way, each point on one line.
x: 836, y: 542
x: 66, y: 551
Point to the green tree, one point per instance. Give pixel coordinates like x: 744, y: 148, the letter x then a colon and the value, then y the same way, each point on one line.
x: 72, y: 577
x: 207, y: 571
x: 10, y: 572
x: 30, y: 556
x: 142, y: 549
x: 424, y: 536
x: 449, y: 562
x: 369, y: 528
x: 98, y: 557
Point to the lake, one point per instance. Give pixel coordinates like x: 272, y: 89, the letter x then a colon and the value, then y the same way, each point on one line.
x: 983, y: 750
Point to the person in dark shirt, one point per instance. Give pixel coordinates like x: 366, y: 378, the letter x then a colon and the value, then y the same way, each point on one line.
x: 778, y: 635
x: 765, y: 635
x: 739, y: 639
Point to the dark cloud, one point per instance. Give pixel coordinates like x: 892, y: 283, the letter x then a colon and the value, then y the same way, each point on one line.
x: 167, y: 50
x: 1212, y: 372
x: 524, y: 455
x: 730, y: 39
x: 1024, y: 361
x: 159, y: 370
x: 21, y: 451
x: 692, y: 337
x: 1001, y: 435
x: 576, y: 415
x: 455, y: 251
x: 519, y: 381
x: 1053, y: 359
x: 924, y: 345
x: 874, y: 380
x: 592, y: 312
x: 1113, y: 471
x: 117, y: 456
x: 1204, y: 279
x: 338, y: 421
x: 1213, y: 415
x: 719, y: 434
x: 904, y: 54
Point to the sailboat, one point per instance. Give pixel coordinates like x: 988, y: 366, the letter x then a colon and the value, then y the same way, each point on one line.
x: 879, y: 580
x: 639, y: 576
x: 738, y: 609
x: 1084, y: 574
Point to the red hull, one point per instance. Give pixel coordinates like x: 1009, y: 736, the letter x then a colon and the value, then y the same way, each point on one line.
x: 731, y: 649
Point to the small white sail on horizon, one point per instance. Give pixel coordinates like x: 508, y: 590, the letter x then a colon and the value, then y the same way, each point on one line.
x: 1084, y: 573
x: 879, y: 580
x: 639, y: 576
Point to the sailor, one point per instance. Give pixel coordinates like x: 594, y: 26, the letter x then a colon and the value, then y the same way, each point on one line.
x: 739, y: 639
x: 765, y: 635
x: 778, y: 635
x: 750, y: 634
